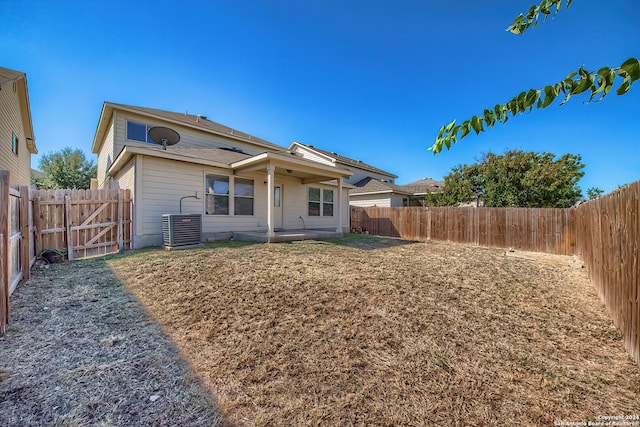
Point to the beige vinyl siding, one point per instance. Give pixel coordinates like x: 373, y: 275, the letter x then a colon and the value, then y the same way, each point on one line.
x: 106, y: 156
x: 160, y: 184
x: 397, y: 201
x: 163, y: 182
x: 380, y: 200
x: 125, y: 178
x: 312, y: 155
x: 11, y: 121
x: 188, y: 137
x: 323, y: 222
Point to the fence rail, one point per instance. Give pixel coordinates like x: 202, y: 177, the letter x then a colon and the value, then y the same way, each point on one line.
x: 604, y: 233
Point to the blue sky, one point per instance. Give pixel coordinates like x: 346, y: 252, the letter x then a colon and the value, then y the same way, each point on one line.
x: 372, y: 80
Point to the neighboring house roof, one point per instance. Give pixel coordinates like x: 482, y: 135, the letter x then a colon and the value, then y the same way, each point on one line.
x: 371, y: 185
x: 190, y: 120
x: 422, y: 186
x: 36, y: 173
x: 337, y: 158
x: 7, y: 77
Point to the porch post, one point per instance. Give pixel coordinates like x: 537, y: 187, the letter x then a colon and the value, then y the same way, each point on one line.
x: 270, y: 198
x: 339, y: 204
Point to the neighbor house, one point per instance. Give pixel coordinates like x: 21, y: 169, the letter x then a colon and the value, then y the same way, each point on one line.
x: 17, y: 142
x: 375, y: 192
x: 419, y: 190
x: 238, y: 182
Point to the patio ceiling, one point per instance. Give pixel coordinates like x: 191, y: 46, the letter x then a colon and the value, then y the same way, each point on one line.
x: 290, y: 165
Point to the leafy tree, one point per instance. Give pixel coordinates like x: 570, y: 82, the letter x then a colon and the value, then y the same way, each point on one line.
x: 594, y: 192
x: 463, y: 184
x: 67, y: 168
x: 514, y: 179
x: 599, y: 83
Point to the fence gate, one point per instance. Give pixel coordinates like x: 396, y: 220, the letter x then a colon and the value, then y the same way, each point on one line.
x: 83, y: 223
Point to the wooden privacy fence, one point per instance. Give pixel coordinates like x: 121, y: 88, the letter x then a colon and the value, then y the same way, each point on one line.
x: 540, y: 230
x: 17, y: 253
x: 604, y: 233
x: 82, y: 223
x: 607, y: 239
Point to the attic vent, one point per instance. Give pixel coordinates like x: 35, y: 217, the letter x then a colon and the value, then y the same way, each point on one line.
x: 234, y: 149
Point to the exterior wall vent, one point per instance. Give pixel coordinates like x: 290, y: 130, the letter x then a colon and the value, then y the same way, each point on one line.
x: 181, y: 229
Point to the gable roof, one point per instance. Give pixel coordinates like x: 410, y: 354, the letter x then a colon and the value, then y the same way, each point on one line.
x: 371, y: 185
x: 193, y: 121
x: 346, y: 161
x: 422, y: 186
x: 7, y: 77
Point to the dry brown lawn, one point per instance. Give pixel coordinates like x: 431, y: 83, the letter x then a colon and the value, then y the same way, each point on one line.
x: 375, y: 331
x: 81, y: 351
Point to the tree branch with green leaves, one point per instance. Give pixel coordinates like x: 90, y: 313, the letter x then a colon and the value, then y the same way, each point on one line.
x: 597, y: 83
x: 524, y: 22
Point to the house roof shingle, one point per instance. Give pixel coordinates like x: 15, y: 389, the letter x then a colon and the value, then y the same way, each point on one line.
x: 200, y: 122
x: 423, y: 185
x: 372, y: 185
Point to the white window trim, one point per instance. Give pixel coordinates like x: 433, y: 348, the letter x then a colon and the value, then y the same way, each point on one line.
x: 232, y: 191
x: 147, y: 140
x: 321, y: 201
x: 231, y: 196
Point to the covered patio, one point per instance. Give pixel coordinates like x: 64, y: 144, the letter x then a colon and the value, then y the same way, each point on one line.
x: 308, y: 172
x: 286, y: 235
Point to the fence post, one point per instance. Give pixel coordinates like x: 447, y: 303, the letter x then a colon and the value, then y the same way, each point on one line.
x: 37, y: 225
x: 120, y: 227
x: 4, y: 249
x: 25, y: 241
x: 67, y: 222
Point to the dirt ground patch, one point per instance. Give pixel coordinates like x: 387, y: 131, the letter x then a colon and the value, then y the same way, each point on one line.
x: 375, y: 331
x: 81, y: 351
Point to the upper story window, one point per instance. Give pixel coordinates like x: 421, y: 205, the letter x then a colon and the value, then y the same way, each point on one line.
x: 138, y: 132
x: 320, y: 202
x: 14, y: 143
